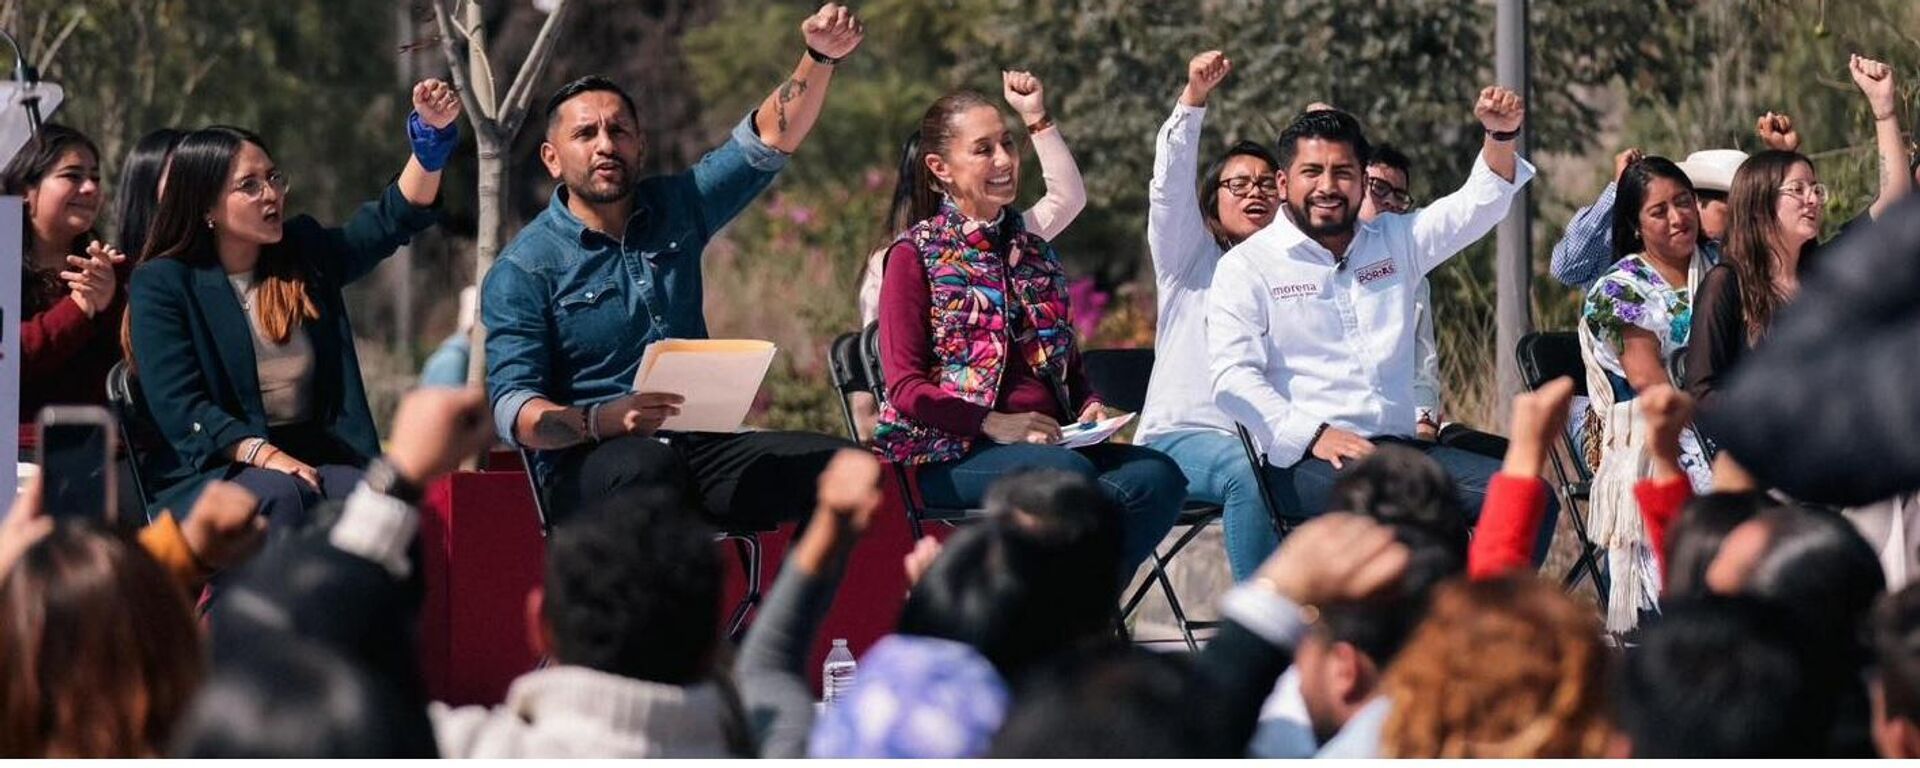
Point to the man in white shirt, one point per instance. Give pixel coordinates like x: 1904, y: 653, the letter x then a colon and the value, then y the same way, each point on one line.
x: 1311, y: 322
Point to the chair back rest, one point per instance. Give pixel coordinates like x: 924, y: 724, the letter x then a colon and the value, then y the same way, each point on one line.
x: 135, y: 426
x: 1547, y: 355
x: 1120, y: 376
x: 846, y: 364
x: 870, y: 361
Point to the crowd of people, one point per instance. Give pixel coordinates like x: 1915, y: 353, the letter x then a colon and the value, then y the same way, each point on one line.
x: 262, y: 598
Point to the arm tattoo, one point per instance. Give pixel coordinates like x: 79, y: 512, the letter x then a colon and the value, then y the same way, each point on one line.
x: 561, y: 428
x: 789, y: 90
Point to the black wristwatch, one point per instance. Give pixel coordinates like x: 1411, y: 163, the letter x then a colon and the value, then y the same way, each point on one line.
x: 816, y: 55
x: 383, y: 479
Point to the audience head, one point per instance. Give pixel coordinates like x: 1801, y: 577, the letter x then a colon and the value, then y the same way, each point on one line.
x: 1696, y: 536
x: 1039, y: 576
x: 1896, y: 685
x: 593, y: 145
x: 1240, y: 194
x: 1323, y: 175
x: 966, y: 154
x: 1509, y: 667
x: 1658, y: 213
x: 1400, y: 486
x: 1121, y: 702
x: 1813, y: 564
x: 142, y: 177
x: 632, y: 589
x: 99, y: 655
x: 1343, y: 655
x: 223, y: 187
x: 1389, y: 178
x: 1720, y: 677
x: 1774, y: 217
x: 57, y: 174
x: 917, y: 697
x: 290, y: 697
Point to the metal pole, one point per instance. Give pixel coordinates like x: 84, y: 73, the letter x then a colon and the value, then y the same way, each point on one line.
x: 1513, y: 261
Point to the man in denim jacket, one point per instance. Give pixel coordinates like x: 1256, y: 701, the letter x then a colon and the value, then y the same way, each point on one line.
x: 613, y: 265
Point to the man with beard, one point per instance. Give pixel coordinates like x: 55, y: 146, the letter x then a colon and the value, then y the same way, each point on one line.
x: 613, y: 265
x: 1311, y: 322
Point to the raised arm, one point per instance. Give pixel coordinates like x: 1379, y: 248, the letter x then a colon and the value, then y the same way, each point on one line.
x: 1585, y: 250
x: 1516, y: 496
x: 787, y: 115
x: 431, y: 130
x: 771, y: 670
x: 1174, y: 221
x: 1875, y: 79
x: 1454, y: 222
x: 1066, y: 193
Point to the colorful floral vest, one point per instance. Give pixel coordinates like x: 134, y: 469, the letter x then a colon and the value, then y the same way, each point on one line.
x: 970, y: 282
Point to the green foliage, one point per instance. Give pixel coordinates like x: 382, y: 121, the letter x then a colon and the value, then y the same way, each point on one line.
x: 315, y: 79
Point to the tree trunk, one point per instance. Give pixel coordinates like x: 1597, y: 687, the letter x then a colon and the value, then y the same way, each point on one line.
x: 492, y: 191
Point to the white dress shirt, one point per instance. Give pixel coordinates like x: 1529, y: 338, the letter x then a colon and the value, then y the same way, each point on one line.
x: 1296, y: 339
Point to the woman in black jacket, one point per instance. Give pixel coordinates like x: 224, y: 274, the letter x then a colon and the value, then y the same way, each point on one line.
x: 238, y: 327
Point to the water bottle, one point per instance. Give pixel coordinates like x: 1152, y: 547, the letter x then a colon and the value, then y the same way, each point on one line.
x: 836, y: 678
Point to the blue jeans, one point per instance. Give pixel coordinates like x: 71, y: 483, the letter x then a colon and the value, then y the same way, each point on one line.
x: 1146, y: 483
x: 1217, y: 472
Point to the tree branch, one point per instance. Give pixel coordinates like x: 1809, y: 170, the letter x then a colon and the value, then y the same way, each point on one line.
x: 513, y: 108
x: 458, y: 68
x: 53, y: 50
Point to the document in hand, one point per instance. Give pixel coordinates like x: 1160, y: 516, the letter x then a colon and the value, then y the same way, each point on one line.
x: 1081, y: 435
x: 718, y: 378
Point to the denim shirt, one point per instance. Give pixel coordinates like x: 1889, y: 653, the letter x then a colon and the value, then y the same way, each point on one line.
x: 569, y: 311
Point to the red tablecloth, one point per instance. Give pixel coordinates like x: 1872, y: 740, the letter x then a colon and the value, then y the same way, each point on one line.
x: 483, y: 552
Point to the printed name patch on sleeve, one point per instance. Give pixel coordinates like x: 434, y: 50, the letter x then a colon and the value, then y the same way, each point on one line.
x: 1379, y: 270
x: 1295, y: 290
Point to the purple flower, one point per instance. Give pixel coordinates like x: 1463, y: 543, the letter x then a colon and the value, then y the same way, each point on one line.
x: 1613, y: 290
x: 1633, y: 313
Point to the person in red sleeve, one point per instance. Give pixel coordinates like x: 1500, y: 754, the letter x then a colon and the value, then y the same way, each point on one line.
x: 1517, y: 497
x: 72, y: 287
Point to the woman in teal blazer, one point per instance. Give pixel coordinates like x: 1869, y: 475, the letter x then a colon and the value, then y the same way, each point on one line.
x: 237, y: 327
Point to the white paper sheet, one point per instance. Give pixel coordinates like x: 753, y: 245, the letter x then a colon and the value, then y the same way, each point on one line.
x: 718, y: 378
x: 1081, y: 435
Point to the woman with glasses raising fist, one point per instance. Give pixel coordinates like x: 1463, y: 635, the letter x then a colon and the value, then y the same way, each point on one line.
x: 1776, y: 206
x: 1192, y: 218
x: 238, y: 328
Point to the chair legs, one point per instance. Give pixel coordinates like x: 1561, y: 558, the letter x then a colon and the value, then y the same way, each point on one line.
x: 747, y: 547
x: 1158, y: 576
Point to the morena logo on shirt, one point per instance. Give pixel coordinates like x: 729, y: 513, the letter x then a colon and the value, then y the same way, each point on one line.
x: 1379, y: 270
x: 1295, y: 290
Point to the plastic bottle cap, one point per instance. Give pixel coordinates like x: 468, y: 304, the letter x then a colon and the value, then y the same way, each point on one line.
x: 839, y: 642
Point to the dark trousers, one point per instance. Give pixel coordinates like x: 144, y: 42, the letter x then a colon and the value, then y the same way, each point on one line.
x: 287, y: 502
x: 742, y: 480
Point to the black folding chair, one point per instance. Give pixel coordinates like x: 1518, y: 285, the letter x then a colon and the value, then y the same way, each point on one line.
x: 746, y: 547
x: 1258, y: 460
x: 1543, y: 357
x: 132, y: 419
x: 854, y: 363
x: 1121, y: 376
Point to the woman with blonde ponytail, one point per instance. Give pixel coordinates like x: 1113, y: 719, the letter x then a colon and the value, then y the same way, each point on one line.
x: 237, y: 327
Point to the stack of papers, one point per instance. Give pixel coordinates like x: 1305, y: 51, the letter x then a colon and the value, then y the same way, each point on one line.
x: 717, y: 377
x: 1083, y: 434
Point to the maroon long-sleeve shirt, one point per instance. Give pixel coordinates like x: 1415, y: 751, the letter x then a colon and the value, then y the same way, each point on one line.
x: 906, y: 354
x: 65, y: 355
